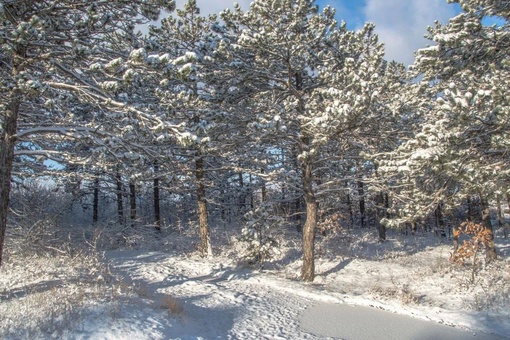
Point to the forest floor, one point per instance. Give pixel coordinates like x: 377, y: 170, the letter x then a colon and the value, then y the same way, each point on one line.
x: 400, y: 289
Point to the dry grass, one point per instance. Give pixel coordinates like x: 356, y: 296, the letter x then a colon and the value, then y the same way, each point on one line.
x: 172, y: 306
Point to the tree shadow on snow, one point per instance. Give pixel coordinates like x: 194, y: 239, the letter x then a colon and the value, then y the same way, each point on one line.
x: 338, y: 267
x: 35, y: 288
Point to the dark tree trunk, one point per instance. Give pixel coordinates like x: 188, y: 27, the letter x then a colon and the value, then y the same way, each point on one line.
x: 361, y: 194
x: 120, y: 203
x: 242, y: 197
x: 205, y: 242
x: 349, y: 205
x: 7, y: 142
x: 223, y: 203
x: 132, y: 201
x: 387, y: 204
x: 252, y: 205
x: 95, y: 204
x: 308, y: 269
x: 263, y: 198
x: 486, y: 221
x: 470, y: 209
x: 440, y: 220
x: 486, y: 216
x: 500, y: 213
x: 157, y: 214
x: 382, y: 230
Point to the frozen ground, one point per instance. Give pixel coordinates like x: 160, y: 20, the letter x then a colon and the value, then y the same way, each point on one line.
x: 405, y: 288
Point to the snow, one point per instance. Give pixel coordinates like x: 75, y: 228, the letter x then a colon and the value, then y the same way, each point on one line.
x: 404, y: 288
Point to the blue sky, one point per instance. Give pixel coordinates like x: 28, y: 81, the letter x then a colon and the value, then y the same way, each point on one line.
x: 400, y: 24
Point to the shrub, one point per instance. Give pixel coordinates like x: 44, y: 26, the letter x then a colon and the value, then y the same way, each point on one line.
x: 481, y: 241
x: 257, y: 240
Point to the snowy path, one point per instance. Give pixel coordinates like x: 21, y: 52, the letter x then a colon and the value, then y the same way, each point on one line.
x: 226, y: 303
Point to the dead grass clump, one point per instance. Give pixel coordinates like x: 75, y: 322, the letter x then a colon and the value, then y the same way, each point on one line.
x: 172, y: 306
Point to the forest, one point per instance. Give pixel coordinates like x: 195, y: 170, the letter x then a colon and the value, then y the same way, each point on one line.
x: 247, y: 125
x: 276, y: 115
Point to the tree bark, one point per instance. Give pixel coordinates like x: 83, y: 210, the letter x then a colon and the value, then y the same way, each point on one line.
x: 381, y: 228
x: 132, y: 201
x: 157, y: 213
x: 95, y: 204
x: 361, y: 194
x: 250, y: 190
x: 308, y: 269
x: 440, y: 220
x: 382, y: 232
x: 486, y: 221
x: 263, y: 198
x: 242, y: 194
x: 349, y: 205
x: 470, y: 209
x: 205, y: 240
x: 120, y: 204
x: 500, y: 213
x: 7, y: 143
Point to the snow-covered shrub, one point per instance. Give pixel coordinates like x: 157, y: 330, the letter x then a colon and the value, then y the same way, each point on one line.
x: 257, y: 242
x: 35, y: 222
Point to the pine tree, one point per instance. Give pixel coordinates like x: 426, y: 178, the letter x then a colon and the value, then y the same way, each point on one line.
x: 306, y: 77
x: 45, y: 49
x: 460, y: 143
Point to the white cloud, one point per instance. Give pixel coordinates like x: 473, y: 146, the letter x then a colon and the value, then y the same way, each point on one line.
x: 401, y: 25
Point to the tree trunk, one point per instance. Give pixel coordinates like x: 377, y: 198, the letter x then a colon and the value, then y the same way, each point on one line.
x: 252, y: 203
x: 440, y: 220
x: 95, y: 204
x: 205, y: 240
x: 470, y: 209
x: 263, y: 198
x: 223, y: 203
x: 157, y: 214
x: 386, y: 210
x: 361, y: 194
x: 7, y: 142
x: 349, y: 205
x: 132, y: 201
x: 242, y: 196
x: 381, y: 211
x: 120, y: 204
x: 486, y: 221
x: 500, y: 213
x: 308, y: 269
x: 486, y: 216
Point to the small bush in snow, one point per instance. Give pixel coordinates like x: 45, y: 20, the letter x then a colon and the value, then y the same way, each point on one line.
x: 172, y: 306
x: 257, y: 241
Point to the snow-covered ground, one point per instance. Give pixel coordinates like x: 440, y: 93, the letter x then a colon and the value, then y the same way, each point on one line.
x: 405, y: 288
